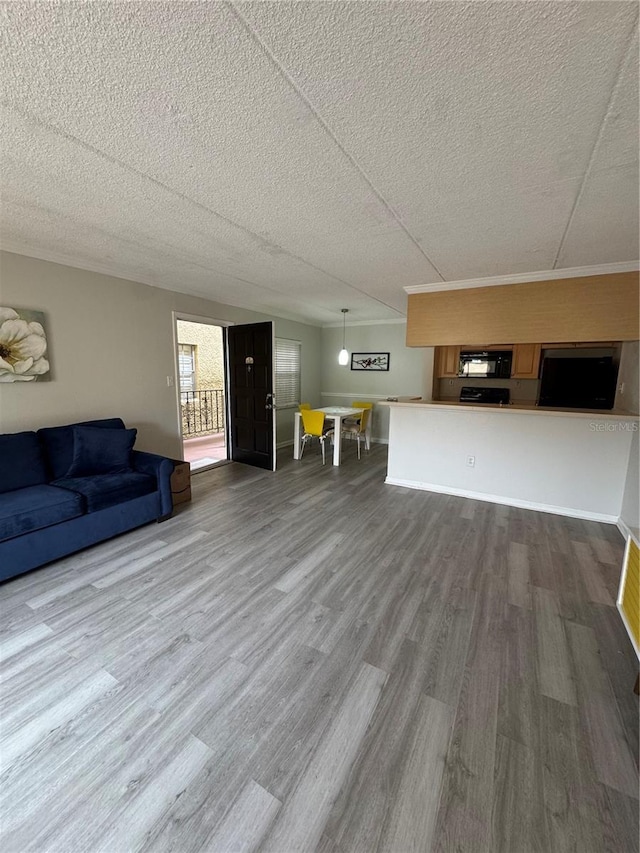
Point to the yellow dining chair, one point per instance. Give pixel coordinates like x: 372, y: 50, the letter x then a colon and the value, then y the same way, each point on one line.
x: 327, y: 422
x: 358, y: 430
x: 357, y: 404
x: 313, y: 427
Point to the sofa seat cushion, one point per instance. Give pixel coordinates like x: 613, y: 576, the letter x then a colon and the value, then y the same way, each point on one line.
x: 104, y: 490
x: 26, y: 510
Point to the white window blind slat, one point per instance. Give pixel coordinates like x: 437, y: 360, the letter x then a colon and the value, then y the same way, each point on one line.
x: 287, y: 373
x: 186, y: 367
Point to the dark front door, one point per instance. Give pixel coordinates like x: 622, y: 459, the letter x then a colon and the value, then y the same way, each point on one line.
x: 251, y: 412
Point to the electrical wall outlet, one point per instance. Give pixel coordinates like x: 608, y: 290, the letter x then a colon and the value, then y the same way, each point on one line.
x: 169, y: 381
x: 471, y: 461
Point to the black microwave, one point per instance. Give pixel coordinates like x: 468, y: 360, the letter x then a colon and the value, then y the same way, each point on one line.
x: 488, y: 364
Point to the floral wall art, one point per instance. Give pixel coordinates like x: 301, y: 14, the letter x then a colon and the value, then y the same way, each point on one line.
x: 23, y: 346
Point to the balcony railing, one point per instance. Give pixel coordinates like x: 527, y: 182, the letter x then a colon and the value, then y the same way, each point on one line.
x: 202, y: 412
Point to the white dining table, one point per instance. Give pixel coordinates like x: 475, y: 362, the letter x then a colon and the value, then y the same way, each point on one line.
x: 337, y: 414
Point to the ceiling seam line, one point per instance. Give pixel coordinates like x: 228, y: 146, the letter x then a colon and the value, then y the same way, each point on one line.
x: 26, y: 114
x: 325, y: 126
x: 587, y: 172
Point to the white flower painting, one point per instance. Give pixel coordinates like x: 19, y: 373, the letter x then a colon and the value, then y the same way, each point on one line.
x: 23, y: 346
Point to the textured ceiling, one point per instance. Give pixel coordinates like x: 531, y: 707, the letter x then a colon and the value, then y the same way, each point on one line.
x: 301, y: 157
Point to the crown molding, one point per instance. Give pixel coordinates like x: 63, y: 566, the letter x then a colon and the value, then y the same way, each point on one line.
x: 524, y: 277
x: 400, y: 320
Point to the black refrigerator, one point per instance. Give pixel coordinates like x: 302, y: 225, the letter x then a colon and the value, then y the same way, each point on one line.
x: 578, y: 383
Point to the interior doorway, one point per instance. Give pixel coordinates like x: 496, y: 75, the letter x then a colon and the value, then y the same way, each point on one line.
x: 202, y: 392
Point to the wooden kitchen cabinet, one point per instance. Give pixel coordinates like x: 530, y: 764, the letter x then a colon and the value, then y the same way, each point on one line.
x: 447, y: 360
x: 526, y: 361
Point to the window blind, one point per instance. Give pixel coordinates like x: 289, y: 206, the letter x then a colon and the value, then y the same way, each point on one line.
x: 186, y: 366
x: 287, y: 373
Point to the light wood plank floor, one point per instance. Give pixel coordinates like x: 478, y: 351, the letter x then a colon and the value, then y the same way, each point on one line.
x: 314, y: 661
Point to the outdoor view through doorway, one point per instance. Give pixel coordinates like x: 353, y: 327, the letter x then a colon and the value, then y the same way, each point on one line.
x: 202, y: 393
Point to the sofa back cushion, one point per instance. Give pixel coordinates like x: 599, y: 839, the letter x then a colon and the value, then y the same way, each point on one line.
x: 101, y: 451
x: 58, y: 443
x: 21, y: 461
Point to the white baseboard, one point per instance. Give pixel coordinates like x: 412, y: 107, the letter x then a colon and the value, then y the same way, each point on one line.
x: 498, y: 499
x: 374, y: 440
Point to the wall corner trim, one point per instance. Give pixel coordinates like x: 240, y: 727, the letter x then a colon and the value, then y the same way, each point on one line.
x: 623, y: 528
x: 364, y: 395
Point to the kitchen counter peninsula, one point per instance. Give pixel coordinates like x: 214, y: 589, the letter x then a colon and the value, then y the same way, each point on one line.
x: 606, y: 414
x: 566, y: 462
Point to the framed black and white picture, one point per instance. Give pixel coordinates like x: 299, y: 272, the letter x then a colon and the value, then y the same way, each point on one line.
x: 370, y: 361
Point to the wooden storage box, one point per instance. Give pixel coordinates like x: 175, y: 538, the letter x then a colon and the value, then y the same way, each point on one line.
x: 181, y: 482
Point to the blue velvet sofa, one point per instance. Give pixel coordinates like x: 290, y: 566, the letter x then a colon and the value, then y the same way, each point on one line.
x: 51, y: 506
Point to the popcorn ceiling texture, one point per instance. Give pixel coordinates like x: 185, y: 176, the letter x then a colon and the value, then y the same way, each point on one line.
x: 295, y: 158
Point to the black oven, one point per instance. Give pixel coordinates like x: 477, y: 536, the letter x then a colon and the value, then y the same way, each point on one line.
x: 488, y: 364
x: 495, y: 396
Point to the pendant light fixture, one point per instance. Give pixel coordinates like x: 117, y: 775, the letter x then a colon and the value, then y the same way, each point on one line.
x: 343, y: 357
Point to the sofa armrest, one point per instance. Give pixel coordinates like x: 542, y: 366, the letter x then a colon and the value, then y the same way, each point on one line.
x: 161, y: 468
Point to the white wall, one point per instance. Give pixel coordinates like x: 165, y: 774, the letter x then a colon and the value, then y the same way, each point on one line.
x: 566, y: 464
x: 111, y: 350
x: 410, y: 370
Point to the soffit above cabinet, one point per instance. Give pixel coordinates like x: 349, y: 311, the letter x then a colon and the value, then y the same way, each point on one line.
x: 592, y: 308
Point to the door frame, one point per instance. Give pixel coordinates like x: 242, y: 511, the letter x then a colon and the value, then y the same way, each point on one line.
x: 205, y: 321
